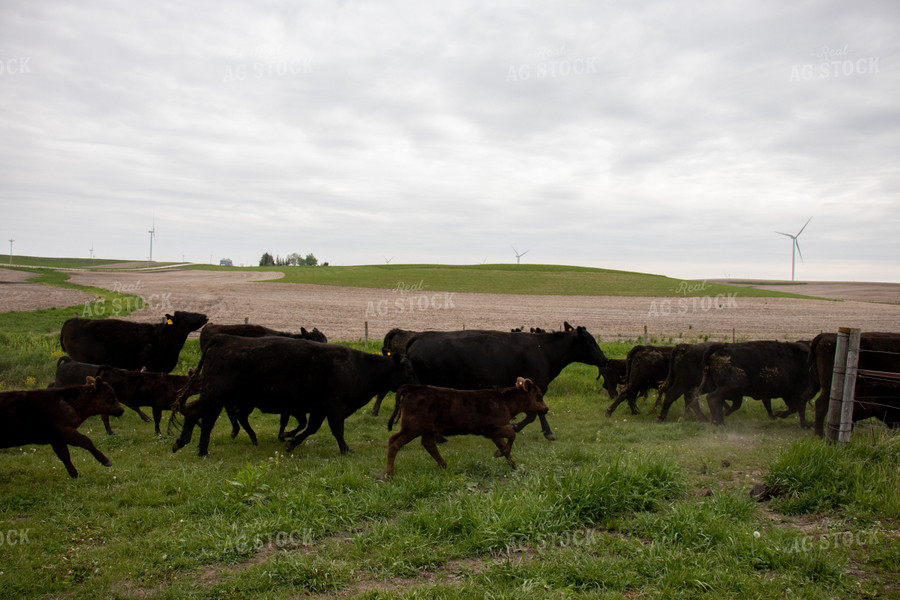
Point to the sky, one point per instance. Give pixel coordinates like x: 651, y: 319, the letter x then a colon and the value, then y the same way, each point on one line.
x: 663, y: 137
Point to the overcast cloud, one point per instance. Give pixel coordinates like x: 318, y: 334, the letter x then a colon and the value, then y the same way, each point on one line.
x: 662, y: 137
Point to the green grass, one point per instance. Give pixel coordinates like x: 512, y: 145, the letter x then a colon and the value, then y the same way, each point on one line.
x: 616, y: 507
x: 57, y: 263
x: 513, y: 279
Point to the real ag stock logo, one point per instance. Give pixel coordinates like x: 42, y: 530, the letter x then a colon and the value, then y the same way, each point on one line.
x: 692, y: 304
x: 413, y: 303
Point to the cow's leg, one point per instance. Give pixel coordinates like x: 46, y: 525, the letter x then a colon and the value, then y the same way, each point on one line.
x: 62, y: 451
x: 735, y: 404
x: 821, y: 411
x: 670, y: 397
x: 282, y: 424
x: 545, y: 428
x: 206, y: 426
x: 232, y: 416
x: 396, y: 441
x: 140, y: 413
x: 504, y: 438
x: 242, y: 418
x: 301, y: 423
x: 191, y: 416
x: 336, y: 424
x: 715, y: 402
x: 109, y: 430
x: 767, y: 403
x: 429, y: 440
x: 628, y: 394
x: 157, y: 417
x: 315, y: 421
x: 694, y: 404
x: 75, y: 438
x: 378, y: 402
x: 529, y: 417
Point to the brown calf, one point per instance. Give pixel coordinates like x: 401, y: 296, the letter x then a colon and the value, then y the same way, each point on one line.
x: 52, y: 416
x: 134, y: 389
x: 428, y: 411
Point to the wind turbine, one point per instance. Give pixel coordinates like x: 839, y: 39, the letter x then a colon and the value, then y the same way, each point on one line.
x: 92, y: 253
x: 387, y: 260
x: 152, y: 233
x: 795, y: 246
x: 519, y: 255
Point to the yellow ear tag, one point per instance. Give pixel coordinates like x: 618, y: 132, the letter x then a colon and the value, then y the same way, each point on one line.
x: 389, y: 353
x: 169, y: 322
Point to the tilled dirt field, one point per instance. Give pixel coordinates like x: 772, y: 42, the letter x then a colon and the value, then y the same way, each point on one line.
x: 341, y: 312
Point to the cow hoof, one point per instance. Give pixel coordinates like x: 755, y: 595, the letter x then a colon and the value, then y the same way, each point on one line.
x: 549, y: 436
x: 660, y: 419
x: 107, y: 463
x: 234, y: 434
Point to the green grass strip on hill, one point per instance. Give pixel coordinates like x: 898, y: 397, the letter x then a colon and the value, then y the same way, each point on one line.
x: 514, y: 279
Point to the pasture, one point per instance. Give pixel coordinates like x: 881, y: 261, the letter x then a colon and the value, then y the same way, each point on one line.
x: 616, y: 507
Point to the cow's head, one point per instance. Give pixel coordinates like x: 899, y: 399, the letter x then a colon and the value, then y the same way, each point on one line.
x: 315, y: 335
x: 402, y: 371
x: 186, y: 321
x: 535, y: 396
x: 101, y: 398
x: 584, y: 347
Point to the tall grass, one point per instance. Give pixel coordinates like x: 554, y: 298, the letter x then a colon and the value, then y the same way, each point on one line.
x: 861, y: 478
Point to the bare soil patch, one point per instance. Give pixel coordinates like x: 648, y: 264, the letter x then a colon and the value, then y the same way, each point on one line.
x: 341, y: 312
x: 837, y: 290
x: 17, y: 295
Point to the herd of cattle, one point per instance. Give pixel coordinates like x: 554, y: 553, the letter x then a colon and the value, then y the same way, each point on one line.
x: 446, y: 383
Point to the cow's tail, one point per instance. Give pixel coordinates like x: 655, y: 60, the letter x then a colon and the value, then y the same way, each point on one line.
x: 397, y: 401
x: 62, y: 359
x: 812, y: 362
x: 180, y: 401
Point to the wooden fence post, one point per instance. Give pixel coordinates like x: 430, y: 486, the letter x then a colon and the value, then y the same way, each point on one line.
x: 367, y: 335
x: 832, y: 423
x: 645, y: 335
x: 849, y: 387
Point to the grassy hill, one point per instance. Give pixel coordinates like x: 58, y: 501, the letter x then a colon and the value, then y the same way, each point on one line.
x: 513, y: 279
x: 561, y: 280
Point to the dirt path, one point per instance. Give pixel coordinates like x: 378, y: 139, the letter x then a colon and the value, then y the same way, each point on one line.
x: 17, y: 295
x: 340, y: 312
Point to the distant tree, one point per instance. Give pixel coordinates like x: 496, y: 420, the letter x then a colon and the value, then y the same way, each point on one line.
x: 311, y: 260
x: 226, y: 262
x: 294, y: 259
x: 267, y: 260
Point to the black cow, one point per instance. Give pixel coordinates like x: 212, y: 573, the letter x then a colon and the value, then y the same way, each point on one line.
x: 129, y: 345
x: 395, y: 342
x: 250, y: 330
x: 281, y: 375
x: 255, y: 331
x: 613, y: 376
x: 52, y: 416
x: 427, y: 411
x: 879, y: 351
x: 475, y: 360
x: 761, y: 370
x: 134, y: 389
x: 646, y: 367
x: 684, y: 378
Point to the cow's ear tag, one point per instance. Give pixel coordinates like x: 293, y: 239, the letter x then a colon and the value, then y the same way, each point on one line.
x: 170, y: 322
x: 388, y: 353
